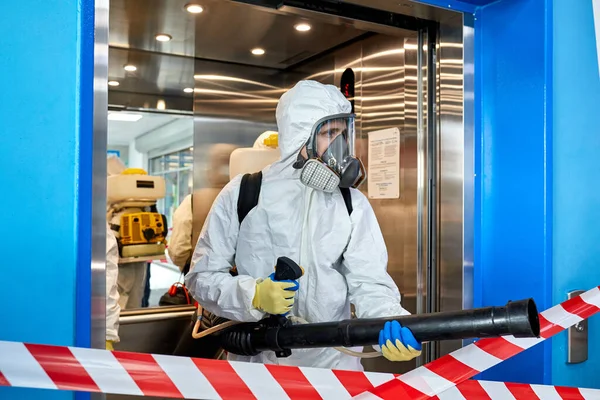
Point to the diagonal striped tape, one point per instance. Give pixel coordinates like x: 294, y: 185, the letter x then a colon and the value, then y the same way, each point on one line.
x: 93, y: 370
x: 442, y: 374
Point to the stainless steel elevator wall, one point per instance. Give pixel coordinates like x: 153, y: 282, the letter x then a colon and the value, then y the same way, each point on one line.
x: 153, y: 330
x: 455, y: 178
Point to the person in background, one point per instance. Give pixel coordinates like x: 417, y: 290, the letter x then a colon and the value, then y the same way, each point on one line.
x: 303, y: 213
x: 132, y: 279
x: 112, y: 294
x: 189, y: 217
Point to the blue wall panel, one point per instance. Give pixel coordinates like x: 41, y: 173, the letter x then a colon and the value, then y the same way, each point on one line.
x: 512, y: 228
x: 576, y: 163
x: 468, y: 6
x: 46, y: 136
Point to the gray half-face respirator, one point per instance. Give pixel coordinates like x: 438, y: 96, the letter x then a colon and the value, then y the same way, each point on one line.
x: 331, y: 160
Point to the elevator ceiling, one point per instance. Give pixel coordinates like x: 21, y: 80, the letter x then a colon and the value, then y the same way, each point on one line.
x: 217, y: 41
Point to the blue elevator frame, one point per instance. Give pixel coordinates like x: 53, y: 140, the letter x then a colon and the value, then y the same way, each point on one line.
x: 46, y: 101
x: 529, y: 233
x: 513, y: 168
x: 537, y: 139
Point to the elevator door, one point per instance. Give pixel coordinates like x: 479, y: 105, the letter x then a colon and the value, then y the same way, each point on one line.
x: 389, y: 92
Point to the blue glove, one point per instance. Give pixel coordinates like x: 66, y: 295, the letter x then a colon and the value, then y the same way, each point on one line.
x: 398, y: 343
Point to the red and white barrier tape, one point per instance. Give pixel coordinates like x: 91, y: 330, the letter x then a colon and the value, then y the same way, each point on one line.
x: 448, y: 371
x: 93, y: 370
x: 485, y: 390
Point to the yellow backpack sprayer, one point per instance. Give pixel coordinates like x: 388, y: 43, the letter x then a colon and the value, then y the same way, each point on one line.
x: 140, y: 230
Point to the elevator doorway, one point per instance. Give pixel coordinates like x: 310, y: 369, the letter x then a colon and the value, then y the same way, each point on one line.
x: 229, y: 64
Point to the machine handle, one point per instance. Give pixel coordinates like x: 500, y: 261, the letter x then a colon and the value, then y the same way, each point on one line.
x: 286, y: 269
x: 577, y: 337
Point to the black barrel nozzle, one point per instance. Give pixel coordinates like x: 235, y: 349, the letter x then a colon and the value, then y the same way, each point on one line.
x: 522, y: 318
x: 517, y: 318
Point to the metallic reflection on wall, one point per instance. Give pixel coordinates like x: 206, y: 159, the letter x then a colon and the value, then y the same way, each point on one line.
x: 210, y: 131
x: 237, y: 91
x: 453, y: 183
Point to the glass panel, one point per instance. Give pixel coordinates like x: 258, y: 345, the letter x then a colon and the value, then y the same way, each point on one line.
x: 185, y: 184
x: 156, y: 165
x: 171, y: 161
x: 186, y: 158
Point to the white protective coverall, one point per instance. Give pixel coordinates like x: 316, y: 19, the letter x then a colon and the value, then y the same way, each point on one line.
x: 344, y: 257
x: 112, y: 294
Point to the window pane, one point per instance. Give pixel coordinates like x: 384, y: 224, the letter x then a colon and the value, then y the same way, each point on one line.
x: 156, y: 165
x: 170, y: 203
x: 171, y: 161
x: 185, y: 184
x: 186, y: 158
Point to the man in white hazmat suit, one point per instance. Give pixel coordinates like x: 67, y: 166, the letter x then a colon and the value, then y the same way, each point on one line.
x: 343, y: 255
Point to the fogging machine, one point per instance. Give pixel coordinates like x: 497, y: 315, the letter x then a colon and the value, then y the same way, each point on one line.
x: 278, y: 334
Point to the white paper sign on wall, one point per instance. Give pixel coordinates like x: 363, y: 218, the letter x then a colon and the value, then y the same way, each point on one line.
x: 384, y: 164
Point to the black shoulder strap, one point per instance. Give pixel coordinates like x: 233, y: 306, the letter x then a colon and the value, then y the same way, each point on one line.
x: 347, y: 199
x: 249, y: 192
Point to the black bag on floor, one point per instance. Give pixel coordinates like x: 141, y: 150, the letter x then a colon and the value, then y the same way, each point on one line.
x: 177, y: 295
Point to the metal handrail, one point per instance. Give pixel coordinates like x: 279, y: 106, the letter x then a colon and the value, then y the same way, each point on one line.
x: 141, y: 315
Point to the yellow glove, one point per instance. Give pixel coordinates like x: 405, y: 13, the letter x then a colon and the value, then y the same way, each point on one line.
x: 274, y: 297
x: 398, y: 343
x: 109, y: 345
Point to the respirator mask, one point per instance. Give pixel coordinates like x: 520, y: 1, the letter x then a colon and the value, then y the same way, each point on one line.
x: 331, y: 161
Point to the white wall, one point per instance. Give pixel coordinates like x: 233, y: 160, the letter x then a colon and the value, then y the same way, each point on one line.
x: 174, y: 136
x: 137, y: 159
x: 123, y: 150
x: 151, y: 136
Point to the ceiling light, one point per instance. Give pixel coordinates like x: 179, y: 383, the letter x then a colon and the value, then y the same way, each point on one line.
x: 303, y: 27
x: 130, y: 68
x: 163, y: 37
x: 258, y: 51
x: 125, y: 117
x: 194, y: 8
x: 188, y: 90
x: 113, y: 83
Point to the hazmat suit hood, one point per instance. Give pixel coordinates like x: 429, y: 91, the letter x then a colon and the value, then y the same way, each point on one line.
x: 299, y: 109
